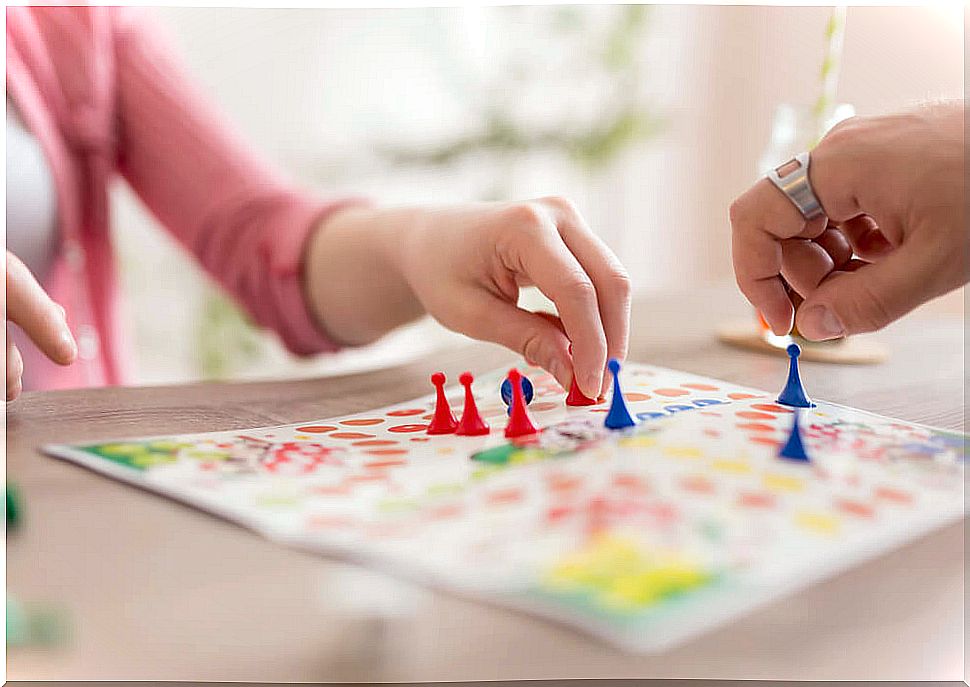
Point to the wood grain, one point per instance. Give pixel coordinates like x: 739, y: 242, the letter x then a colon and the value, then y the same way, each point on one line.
x: 163, y: 592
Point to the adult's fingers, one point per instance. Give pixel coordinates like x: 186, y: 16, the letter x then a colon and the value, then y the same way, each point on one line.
x: 15, y: 370
x: 871, y: 295
x: 31, y: 309
x: 760, y: 219
x: 868, y: 242
x: 836, y: 245
x: 839, y: 175
x: 543, y: 256
x: 805, y: 262
x: 609, y: 277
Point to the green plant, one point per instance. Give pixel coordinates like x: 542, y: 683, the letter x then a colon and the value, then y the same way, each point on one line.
x: 624, y: 121
x: 227, y: 339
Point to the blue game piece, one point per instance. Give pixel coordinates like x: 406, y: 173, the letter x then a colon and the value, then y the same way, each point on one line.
x: 618, y: 417
x: 793, y: 394
x: 793, y: 448
x: 527, y: 391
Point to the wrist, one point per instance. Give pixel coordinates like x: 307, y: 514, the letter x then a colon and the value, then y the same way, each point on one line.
x: 354, y: 278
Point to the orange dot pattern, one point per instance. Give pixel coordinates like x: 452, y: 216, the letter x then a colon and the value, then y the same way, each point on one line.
x: 671, y: 392
x: 405, y: 412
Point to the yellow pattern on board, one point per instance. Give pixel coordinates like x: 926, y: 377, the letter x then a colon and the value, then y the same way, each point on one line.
x: 528, y: 455
x: 682, y: 452
x: 739, y: 467
x: 620, y: 575
x: 822, y: 523
x: 637, y: 442
x: 777, y: 482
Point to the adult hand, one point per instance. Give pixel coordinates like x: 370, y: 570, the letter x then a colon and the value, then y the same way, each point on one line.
x: 894, y: 234
x: 29, y: 307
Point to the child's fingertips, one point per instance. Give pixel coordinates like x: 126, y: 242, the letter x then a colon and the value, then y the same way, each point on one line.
x: 590, y: 384
x: 66, y: 346
x: 604, y: 385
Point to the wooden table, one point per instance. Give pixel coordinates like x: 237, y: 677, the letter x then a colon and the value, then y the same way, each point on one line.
x: 160, y: 591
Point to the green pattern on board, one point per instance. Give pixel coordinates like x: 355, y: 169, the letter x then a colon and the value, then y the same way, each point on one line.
x: 139, y: 455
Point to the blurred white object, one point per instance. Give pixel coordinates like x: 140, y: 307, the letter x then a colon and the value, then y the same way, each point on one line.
x: 794, y: 129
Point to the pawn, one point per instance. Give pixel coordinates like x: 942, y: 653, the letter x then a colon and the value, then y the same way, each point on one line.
x: 575, y: 397
x: 793, y: 448
x: 619, y: 416
x: 520, y: 424
x: 793, y: 394
x: 528, y: 393
x: 471, y: 424
x: 444, y: 421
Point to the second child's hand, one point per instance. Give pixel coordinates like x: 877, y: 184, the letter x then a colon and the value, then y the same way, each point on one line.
x: 29, y: 307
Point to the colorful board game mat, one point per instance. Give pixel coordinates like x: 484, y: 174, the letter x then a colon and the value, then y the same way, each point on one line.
x: 644, y: 537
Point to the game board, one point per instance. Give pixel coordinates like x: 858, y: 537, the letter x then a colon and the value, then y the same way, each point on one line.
x: 644, y: 536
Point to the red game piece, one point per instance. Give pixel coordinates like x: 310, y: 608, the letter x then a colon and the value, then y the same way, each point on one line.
x: 472, y: 424
x: 520, y: 424
x: 444, y: 421
x: 576, y: 397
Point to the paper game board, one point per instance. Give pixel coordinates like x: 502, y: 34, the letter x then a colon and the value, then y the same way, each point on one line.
x: 644, y: 537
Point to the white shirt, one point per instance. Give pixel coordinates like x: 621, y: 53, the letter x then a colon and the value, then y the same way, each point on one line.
x: 31, y: 199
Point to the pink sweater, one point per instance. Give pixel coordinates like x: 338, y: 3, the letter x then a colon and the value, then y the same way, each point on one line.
x: 103, y: 94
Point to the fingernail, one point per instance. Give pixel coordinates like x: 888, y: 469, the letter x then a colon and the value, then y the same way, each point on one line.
x: 591, y: 385
x: 68, y: 344
x: 819, y: 323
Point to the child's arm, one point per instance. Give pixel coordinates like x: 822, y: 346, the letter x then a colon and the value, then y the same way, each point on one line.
x: 244, y: 222
x: 366, y: 270
x: 892, y: 189
x: 369, y: 270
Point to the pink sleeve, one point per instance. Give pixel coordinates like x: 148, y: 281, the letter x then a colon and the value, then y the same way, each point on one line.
x: 245, y: 224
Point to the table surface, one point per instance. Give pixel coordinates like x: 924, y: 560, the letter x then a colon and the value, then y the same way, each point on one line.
x: 159, y: 591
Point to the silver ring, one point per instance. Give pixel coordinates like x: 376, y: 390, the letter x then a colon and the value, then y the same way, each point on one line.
x: 796, y: 186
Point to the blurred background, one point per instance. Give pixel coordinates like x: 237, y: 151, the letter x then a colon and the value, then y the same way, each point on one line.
x: 651, y: 118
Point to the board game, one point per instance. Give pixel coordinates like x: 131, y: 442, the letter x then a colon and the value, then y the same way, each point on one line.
x: 644, y: 536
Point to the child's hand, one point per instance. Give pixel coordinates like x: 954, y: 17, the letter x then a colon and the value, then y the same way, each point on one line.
x: 464, y: 265
x: 29, y: 307
x: 892, y: 189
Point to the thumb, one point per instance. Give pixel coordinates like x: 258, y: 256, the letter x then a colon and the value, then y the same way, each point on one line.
x: 537, y: 337
x: 870, y: 297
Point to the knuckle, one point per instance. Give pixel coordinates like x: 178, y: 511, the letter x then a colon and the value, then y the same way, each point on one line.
x: 736, y: 212
x: 579, y: 287
x: 619, y: 283
x: 561, y: 203
x: 526, y: 216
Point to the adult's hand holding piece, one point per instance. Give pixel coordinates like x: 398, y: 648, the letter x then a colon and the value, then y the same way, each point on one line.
x: 893, y: 234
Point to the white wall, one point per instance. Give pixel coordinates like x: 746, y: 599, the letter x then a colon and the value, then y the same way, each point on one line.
x: 313, y: 90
